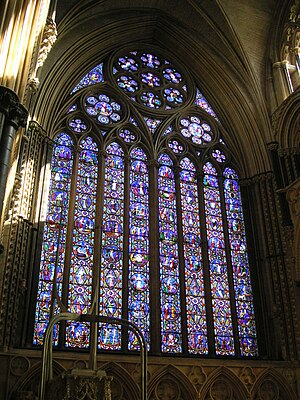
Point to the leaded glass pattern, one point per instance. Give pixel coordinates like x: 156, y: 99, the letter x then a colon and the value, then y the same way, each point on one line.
x: 240, y: 264
x: 94, y: 76
x: 54, y: 237
x: 169, y: 263
x: 203, y: 103
x: 150, y: 80
x: 223, y: 331
x: 81, y: 263
x: 145, y: 209
x: 139, y: 295
x: 112, y: 247
x: 194, y: 280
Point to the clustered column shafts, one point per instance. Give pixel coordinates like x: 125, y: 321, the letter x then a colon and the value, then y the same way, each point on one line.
x: 13, y: 115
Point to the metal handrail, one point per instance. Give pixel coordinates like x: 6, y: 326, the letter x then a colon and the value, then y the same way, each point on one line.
x: 47, y: 371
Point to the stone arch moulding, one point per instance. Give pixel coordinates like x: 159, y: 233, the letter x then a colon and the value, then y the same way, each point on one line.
x: 29, y: 382
x: 123, y: 385
x: 222, y: 380
x: 73, y: 59
x: 170, y: 383
x: 270, y: 385
x: 286, y: 122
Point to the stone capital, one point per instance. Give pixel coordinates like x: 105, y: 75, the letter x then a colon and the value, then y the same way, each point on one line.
x: 15, y: 113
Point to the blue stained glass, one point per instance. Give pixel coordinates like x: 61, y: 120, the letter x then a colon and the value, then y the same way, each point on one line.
x: 151, y: 100
x: 240, y: 265
x: 194, y: 281
x: 223, y: 330
x: 198, y: 132
x: 128, y: 84
x: 105, y: 109
x: 170, y: 74
x: 110, y: 300
x: 80, y: 281
x: 150, y: 79
x: 94, y: 76
x: 176, y: 146
x: 203, y: 103
x: 77, y: 125
x: 127, y: 135
x: 173, y: 96
x: 54, y: 240
x: 72, y: 108
x: 138, y: 292
x: 219, y: 155
x: 152, y: 124
x: 150, y: 60
x: 168, y: 249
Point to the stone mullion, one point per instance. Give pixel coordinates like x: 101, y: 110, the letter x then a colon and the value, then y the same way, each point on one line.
x: 206, y: 267
x: 125, y: 267
x: 182, y: 283
x: 97, y: 258
x: 154, y: 263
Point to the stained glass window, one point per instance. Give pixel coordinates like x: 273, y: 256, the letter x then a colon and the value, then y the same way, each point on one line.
x: 169, y: 258
x: 112, y: 247
x: 218, y: 272
x: 138, y: 294
x: 145, y: 219
x: 54, y: 243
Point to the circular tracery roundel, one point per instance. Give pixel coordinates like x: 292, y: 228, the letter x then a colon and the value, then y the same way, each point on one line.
x: 102, y: 107
x: 194, y: 128
x: 150, y: 80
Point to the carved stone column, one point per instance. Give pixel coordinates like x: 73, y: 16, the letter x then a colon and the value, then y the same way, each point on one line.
x: 293, y: 198
x: 13, y: 115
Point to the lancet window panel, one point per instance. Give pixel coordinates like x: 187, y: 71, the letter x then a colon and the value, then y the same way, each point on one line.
x: 140, y: 147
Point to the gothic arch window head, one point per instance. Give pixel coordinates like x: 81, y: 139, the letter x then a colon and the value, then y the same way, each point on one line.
x: 145, y: 218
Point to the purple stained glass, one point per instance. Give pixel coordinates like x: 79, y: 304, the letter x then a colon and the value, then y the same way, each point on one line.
x: 176, y: 146
x: 197, y: 131
x: 173, y: 96
x: 150, y: 60
x: 223, y: 331
x: 77, y: 125
x: 81, y: 263
x: 138, y: 290
x: 128, y: 63
x: 127, y: 135
x: 54, y: 238
x: 168, y: 130
x: 194, y: 281
x: 152, y: 124
x: 128, y: 84
x: 94, y: 76
x: 171, y: 75
x: 72, y: 108
x: 150, y: 79
x: 110, y: 300
x: 240, y: 265
x: 203, y: 103
x: 169, y: 259
x: 104, y: 108
x: 218, y: 155
x: 151, y: 100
